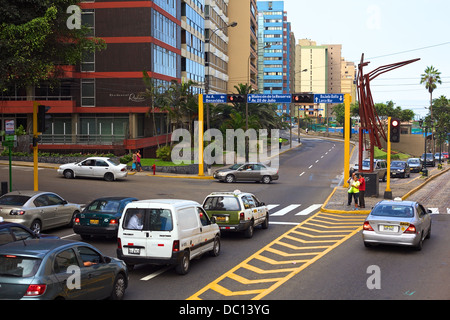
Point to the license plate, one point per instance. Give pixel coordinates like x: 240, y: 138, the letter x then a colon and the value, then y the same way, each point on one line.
x: 390, y: 228
x: 221, y: 219
x: 134, y: 251
x: 94, y: 221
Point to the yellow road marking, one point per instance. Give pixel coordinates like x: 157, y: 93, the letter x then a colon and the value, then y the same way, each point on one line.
x: 286, y: 256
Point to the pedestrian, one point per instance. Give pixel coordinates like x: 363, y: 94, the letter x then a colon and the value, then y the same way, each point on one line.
x: 362, y: 191
x: 353, y: 190
x: 306, y: 130
x: 133, y: 166
x: 138, y: 161
x: 280, y: 141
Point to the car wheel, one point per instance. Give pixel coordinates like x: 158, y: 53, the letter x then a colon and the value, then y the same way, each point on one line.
x: 266, y: 179
x: 429, y: 233
x: 72, y: 220
x: 68, y: 174
x: 108, y: 176
x: 250, y: 230
x: 229, y: 178
x: 265, y: 224
x: 36, y: 226
x: 420, y: 244
x: 216, y: 248
x: 118, y: 288
x: 183, y: 265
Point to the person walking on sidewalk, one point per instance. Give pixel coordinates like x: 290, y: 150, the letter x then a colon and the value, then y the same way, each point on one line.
x: 138, y: 161
x: 362, y: 190
x: 353, y: 190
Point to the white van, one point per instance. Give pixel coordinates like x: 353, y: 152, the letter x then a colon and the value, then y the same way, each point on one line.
x: 166, y: 232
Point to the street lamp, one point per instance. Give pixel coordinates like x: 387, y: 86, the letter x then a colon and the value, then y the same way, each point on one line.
x: 232, y: 25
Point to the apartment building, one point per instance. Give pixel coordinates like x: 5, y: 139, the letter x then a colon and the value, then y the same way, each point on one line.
x: 216, y: 49
x: 274, y: 39
x: 99, y: 106
x: 243, y: 45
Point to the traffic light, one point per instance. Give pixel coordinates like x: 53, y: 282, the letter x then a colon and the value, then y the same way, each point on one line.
x: 43, y: 118
x: 236, y: 98
x: 395, y: 130
x: 302, y: 98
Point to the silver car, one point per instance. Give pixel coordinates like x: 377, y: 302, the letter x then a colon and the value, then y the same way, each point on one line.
x: 397, y: 222
x: 250, y: 171
x: 37, y: 210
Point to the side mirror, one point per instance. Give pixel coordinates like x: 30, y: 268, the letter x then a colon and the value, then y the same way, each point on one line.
x: 213, y: 220
x: 429, y: 211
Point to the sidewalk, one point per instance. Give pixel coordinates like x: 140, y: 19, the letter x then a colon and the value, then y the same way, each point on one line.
x: 337, y: 201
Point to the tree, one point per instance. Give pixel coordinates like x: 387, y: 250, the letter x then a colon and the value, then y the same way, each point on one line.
x: 35, y: 41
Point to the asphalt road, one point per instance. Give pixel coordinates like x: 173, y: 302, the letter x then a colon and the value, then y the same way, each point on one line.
x: 307, y: 176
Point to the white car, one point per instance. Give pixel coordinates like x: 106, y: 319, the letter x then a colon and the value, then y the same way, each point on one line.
x: 97, y: 167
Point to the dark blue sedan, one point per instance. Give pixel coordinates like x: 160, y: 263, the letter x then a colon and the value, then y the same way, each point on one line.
x: 48, y: 269
x: 101, y: 217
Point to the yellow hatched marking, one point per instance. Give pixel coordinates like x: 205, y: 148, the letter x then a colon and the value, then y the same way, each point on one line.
x: 313, y: 236
x: 261, y: 271
x: 247, y: 281
x: 326, y: 231
x: 285, y: 254
x: 274, y: 262
x: 308, y: 241
x: 291, y: 246
x: 228, y: 293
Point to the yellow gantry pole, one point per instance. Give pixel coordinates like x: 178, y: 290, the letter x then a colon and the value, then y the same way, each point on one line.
x: 347, y: 101
x: 35, y: 146
x: 200, y: 135
x: 388, y: 184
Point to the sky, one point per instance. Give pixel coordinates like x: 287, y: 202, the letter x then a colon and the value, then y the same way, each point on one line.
x: 386, y: 32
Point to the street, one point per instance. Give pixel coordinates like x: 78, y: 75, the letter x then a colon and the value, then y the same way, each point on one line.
x: 333, y: 266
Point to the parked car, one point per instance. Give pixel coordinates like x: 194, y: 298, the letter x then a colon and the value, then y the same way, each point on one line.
x: 445, y: 154
x: 438, y: 156
x: 38, y: 210
x: 249, y: 171
x: 400, y: 169
x: 166, y: 232
x: 95, y: 167
x: 397, y: 222
x: 101, y: 217
x: 237, y: 211
x: 429, y: 161
x: 10, y: 232
x: 379, y: 166
x: 414, y: 164
x: 45, y: 269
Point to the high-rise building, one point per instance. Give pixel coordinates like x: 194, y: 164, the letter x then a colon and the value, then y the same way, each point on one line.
x: 216, y: 46
x: 243, y: 45
x: 274, y: 38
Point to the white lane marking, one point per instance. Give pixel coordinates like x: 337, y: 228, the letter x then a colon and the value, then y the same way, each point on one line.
x: 302, y: 173
x: 282, y: 212
x: 155, y: 274
x: 308, y: 210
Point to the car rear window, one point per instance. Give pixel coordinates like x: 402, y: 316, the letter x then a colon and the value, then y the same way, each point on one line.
x: 20, y: 267
x: 148, y: 219
x: 398, y: 164
x: 393, y: 211
x: 14, y: 200
x: 222, y: 203
x: 103, y: 206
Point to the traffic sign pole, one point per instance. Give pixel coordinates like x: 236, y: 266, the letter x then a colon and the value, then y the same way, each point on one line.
x: 388, y: 192
x: 347, y: 101
x: 200, y: 135
x: 35, y: 146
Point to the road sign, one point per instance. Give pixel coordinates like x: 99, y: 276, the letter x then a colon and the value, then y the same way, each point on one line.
x: 269, y: 98
x: 329, y: 98
x: 215, y: 98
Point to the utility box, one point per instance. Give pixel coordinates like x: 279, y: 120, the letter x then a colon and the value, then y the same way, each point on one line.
x: 372, y: 184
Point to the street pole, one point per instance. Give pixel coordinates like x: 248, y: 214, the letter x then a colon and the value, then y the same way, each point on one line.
x: 200, y: 135
x: 347, y: 101
x: 35, y: 146
x: 388, y: 192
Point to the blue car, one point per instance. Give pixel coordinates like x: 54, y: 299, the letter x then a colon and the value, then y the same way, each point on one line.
x: 10, y: 231
x: 101, y: 217
x: 49, y: 269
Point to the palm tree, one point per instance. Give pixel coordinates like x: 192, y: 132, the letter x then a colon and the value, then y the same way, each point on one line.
x: 431, y: 78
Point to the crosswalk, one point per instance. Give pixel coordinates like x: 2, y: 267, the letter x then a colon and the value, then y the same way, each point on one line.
x: 437, y: 211
x: 292, y: 208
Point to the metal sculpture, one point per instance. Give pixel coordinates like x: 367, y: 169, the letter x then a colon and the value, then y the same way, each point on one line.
x: 370, y: 122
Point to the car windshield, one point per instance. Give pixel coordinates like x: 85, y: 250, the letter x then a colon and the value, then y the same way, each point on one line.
x: 16, y: 266
x: 398, y: 164
x: 14, y: 200
x: 366, y: 163
x: 222, y: 203
x: 393, y: 210
x: 103, y: 206
x: 236, y: 166
x: 429, y: 155
x: 415, y: 161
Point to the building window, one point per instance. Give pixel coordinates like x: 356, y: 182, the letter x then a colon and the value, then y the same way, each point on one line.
x: 88, y: 92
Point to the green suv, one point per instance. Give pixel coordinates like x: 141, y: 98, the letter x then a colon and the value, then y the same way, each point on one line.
x: 237, y: 211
